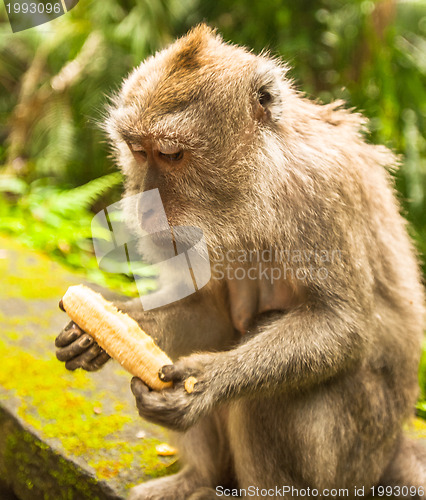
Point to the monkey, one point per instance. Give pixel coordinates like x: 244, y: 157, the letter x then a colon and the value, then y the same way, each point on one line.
x: 304, y: 380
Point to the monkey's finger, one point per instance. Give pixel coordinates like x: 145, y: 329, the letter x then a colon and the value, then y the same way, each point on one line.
x: 171, y: 373
x: 99, y: 361
x: 85, y: 359
x: 75, y: 349
x: 68, y: 335
x: 138, y: 387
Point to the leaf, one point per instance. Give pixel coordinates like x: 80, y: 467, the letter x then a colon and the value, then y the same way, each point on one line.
x: 68, y: 203
x: 14, y: 185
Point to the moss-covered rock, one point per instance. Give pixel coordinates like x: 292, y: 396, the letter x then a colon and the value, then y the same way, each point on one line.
x: 62, y: 435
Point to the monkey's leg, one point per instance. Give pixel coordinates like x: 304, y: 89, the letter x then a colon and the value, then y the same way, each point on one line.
x: 339, y: 435
x: 263, y: 450
x: 204, y: 494
x: 177, y: 487
x: 205, y: 451
x: 407, y: 469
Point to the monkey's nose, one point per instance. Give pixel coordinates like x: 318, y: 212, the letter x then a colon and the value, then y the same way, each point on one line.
x: 151, y: 221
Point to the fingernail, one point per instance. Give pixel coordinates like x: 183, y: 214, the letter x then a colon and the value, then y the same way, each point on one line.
x: 69, y: 326
x: 61, y: 306
x: 167, y: 373
x: 86, y: 342
x: 73, y: 337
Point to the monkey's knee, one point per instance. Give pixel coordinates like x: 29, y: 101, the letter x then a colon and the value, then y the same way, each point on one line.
x: 153, y: 490
x: 179, y: 486
x: 204, y: 494
x: 407, y: 470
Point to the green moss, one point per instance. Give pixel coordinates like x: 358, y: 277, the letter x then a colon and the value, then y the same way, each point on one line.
x: 417, y: 428
x: 58, y: 404
x: 29, y: 277
x: 54, y: 403
x: 24, y: 452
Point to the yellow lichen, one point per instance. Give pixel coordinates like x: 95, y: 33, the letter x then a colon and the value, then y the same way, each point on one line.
x: 53, y: 402
x: 56, y: 403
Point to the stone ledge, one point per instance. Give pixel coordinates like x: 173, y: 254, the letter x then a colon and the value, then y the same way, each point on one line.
x: 63, y: 435
x: 35, y: 469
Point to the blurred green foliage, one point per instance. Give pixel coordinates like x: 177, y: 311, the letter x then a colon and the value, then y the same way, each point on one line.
x: 58, y: 221
x: 54, y: 81
x: 421, y: 404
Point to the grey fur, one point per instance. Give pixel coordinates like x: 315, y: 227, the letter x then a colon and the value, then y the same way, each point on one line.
x: 306, y: 382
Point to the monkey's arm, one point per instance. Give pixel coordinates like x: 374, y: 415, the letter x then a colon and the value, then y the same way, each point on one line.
x: 292, y: 352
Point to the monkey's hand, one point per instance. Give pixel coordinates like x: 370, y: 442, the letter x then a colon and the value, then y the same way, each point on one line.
x: 175, y: 408
x: 79, y: 350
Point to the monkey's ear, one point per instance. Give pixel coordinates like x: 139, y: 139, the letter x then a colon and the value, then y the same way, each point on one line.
x: 268, y: 83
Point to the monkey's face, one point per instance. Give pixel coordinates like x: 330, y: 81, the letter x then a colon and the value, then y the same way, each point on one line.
x: 194, y: 121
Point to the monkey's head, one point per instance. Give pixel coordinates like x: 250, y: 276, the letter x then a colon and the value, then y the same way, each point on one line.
x: 200, y: 120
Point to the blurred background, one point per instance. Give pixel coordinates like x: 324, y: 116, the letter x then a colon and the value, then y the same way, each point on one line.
x: 55, y: 172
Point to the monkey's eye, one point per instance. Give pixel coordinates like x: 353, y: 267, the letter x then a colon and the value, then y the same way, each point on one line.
x: 264, y: 97
x: 172, y: 156
x: 170, y: 152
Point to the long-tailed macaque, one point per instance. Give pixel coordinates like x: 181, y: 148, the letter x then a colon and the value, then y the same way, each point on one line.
x: 306, y: 376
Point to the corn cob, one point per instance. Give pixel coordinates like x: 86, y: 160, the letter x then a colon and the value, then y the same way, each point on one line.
x: 189, y: 384
x: 117, y: 333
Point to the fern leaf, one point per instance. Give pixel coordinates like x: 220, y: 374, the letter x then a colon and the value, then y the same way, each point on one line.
x: 83, y: 197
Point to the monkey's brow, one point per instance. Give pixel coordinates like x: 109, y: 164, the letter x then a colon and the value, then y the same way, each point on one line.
x: 135, y: 138
x: 130, y: 137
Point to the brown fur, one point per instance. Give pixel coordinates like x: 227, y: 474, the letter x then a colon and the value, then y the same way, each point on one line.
x: 306, y: 382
